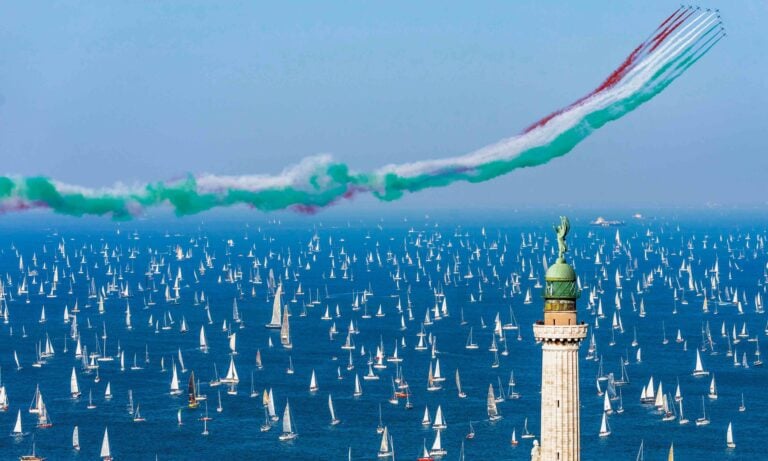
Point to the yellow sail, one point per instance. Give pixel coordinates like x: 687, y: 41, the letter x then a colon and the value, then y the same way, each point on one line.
x: 671, y: 456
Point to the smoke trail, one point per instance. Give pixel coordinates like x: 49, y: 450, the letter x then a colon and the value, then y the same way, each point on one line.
x: 673, y: 47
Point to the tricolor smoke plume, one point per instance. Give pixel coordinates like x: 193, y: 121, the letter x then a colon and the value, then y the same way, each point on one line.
x: 676, y: 45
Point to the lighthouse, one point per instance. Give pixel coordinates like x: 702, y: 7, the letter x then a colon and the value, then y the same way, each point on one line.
x: 560, y: 335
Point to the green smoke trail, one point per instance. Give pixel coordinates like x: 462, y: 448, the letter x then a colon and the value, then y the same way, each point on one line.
x: 329, y: 182
x: 396, y: 186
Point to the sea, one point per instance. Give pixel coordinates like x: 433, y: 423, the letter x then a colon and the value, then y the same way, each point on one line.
x: 476, y: 267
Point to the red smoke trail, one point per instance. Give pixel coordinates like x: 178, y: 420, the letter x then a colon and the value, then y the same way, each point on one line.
x: 676, y: 18
x: 662, y: 36
x: 677, y: 11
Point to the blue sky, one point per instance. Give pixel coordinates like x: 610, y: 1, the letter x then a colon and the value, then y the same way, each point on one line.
x: 98, y: 92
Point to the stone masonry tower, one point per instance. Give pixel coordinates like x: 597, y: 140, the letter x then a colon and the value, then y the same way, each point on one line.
x: 560, y: 335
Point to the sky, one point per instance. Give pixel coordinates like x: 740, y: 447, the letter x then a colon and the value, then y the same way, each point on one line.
x: 96, y: 93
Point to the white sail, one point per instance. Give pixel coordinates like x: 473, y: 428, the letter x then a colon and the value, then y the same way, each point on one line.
x: 233, y: 343
x: 74, y: 388
x: 458, y: 385
x: 333, y: 413
x: 287, y: 427
x: 285, y: 331
x: 384, y: 446
x: 17, y: 428
x: 105, y: 452
x: 232, y: 376
x: 271, y: 405
x: 437, y: 446
x: 439, y: 420
x: 313, y: 382
x: 729, y: 437
x: 128, y: 316
x: 699, y: 370
x: 181, y: 362
x: 493, y: 412
x: 175, y: 382
x: 276, y: 309
x: 203, y: 342
x: 604, y: 431
x: 76, y: 438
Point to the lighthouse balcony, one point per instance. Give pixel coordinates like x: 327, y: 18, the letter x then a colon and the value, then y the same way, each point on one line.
x: 560, y: 333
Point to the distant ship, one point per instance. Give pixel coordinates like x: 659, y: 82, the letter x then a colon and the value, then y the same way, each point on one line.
x: 600, y: 221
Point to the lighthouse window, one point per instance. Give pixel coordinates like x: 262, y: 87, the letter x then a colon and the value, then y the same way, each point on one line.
x: 558, y: 404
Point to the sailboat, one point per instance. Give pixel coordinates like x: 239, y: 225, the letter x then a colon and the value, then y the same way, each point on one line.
x: 471, y: 344
x: 439, y: 423
x: 233, y: 343
x: 76, y: 439
x: 703, y: 420
x: 526, y: 433
x: 267, y: 424
x: 43, y: 419
x: 259, y: 365
x: 275, y: 323
x: 192, y: 391
x: 17, y: 430
x: 33, y: 456
x: 313, y: 387
x: 232, y: 377
x: 681, y: 417
x: 175, y: 390
x: 699, y: 370
x: 462, y: 395
x: 437, y: 447
x: 74, y: 388
x: 288, y: 432
x: 712, y: 389
x: 385, y: 449
x: 493, y: 412
x: 106, y: 454
x: 425, y: 456
x: 137, y: 418
x: 334, y: 420
x: 285, y: 332
x: 380, y: 427
x: 729, y: 437
x: 514, y: 441
x: 203, y: 341
x: 271, y: 407
x: 605, y: 431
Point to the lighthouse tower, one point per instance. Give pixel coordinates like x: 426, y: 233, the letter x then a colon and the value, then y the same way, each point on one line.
x: 560, y: 335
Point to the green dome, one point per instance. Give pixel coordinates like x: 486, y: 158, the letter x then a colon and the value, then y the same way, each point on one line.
x: 560, y: 272
x: 561, y: 282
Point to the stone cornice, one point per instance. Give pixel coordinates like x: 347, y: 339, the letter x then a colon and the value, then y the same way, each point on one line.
x: 560, y: 333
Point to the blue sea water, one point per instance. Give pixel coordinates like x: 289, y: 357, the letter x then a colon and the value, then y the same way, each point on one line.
x: 376, y: 248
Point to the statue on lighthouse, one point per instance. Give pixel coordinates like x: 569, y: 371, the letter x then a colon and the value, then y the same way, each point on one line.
x: 562, y: 231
